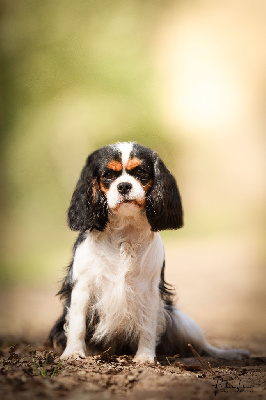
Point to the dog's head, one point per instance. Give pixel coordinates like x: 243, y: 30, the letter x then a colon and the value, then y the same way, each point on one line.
x: 125, y: 178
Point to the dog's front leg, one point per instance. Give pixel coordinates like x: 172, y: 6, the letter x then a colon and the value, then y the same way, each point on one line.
x: 146, y: 348
x: 77, y: 321
x: 147, y: 338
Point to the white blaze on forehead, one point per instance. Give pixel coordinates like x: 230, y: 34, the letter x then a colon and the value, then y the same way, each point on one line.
x: 125, y: 148
x: 137, y: 194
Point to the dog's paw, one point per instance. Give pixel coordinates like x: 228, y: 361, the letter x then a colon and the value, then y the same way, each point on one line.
x: 73, y: 354
x: 144, y: 358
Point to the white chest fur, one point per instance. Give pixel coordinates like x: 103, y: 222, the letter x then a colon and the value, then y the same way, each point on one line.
x: 120, y: 273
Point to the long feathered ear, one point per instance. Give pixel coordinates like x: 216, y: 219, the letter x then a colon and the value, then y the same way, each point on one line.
x: 88, y: 207
x: 163, y: 202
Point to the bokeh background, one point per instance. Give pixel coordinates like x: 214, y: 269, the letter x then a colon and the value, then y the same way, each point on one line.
x: 187, y: 78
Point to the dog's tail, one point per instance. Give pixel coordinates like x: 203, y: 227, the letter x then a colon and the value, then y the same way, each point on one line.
x: 229, y: 354
x: 183, y: 330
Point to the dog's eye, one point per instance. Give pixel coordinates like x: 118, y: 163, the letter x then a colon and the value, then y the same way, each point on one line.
x: 141, y: 174
x: 139, y: 171
x: 109, y: 174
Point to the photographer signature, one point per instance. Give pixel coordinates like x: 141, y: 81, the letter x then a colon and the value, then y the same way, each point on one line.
x: 222, y: 386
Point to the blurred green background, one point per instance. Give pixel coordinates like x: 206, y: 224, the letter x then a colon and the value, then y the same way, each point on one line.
x: 75, y: 76
x: 184, y: 78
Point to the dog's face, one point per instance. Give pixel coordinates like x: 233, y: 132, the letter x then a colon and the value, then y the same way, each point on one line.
x: 125, y: 178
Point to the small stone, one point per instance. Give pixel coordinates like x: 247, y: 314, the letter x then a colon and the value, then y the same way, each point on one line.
x: 82, y: 374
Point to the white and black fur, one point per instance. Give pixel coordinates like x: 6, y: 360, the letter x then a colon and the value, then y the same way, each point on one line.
x: 114, y: 292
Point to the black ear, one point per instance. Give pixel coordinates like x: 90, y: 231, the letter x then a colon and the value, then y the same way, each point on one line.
x: 163, y: 202
x: 88, y: 207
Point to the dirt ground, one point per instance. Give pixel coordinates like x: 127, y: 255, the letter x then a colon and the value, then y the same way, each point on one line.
x: 223, y: 292
x: 29, y: 371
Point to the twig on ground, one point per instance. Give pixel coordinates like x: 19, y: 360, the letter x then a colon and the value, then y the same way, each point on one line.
x: 205, y: 364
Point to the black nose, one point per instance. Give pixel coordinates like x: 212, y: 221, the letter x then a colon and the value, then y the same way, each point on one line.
x: 124, y: 187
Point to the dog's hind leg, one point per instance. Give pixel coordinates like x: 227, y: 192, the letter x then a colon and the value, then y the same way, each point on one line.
x: 57, y: 336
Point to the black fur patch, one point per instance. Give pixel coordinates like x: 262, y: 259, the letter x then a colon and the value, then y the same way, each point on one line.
x: 88, y: 208
x: 163, y: 201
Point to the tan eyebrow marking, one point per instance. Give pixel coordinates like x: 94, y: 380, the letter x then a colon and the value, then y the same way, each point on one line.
x: 115, y: 165
x: 133, y: 163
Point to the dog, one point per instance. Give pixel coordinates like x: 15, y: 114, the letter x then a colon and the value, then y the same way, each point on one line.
x: 115, y: 295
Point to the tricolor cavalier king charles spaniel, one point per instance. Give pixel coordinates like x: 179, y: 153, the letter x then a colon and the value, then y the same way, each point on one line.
x: 114, y: 293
